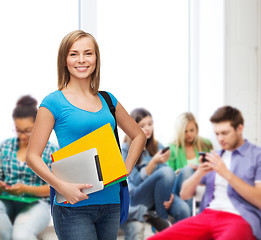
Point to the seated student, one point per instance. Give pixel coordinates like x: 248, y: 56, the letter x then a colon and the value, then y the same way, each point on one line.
x: 18, y: 180
x: 231, y: 206
x: 184, y: 157
x: 151, y: 180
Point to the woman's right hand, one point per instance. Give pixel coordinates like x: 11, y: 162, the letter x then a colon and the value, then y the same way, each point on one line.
x: 158, y: 158
x: 73, y: 191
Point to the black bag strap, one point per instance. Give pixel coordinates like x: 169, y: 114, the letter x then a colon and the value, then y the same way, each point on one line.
x: 108, y: 100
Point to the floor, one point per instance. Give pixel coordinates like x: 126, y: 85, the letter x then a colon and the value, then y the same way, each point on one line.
x: 148, y: 232
x: 49, y: 233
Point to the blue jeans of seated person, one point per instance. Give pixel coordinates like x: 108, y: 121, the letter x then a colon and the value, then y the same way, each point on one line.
x: 23, y: 221
x: 92, y: 222
x: 184, y: 174
x: 133, y: 228
x: 156, y: 189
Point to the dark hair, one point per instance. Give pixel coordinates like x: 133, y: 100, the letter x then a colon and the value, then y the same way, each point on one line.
x: 139, y: 113
x: 26, y: 106
x: 151, y: 145
x: 228, y: 114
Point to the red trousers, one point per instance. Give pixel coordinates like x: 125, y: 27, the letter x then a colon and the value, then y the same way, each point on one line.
x: 208, y: 225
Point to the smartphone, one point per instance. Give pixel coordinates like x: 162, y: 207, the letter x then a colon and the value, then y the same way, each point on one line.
x: 164, y: 150
x: 203, y: 154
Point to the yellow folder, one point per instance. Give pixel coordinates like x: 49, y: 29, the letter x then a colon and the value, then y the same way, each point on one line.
x: 112, y: 165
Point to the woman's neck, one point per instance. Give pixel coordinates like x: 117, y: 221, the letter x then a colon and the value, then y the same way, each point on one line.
x: 78, y: 86
x: 190, y: 144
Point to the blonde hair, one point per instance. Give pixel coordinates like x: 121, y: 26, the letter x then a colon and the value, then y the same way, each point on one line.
x: 179, y: 136
x: 65, y: 46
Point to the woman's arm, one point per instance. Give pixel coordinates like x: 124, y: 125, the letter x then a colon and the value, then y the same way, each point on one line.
x: 41, y: 132
x: 132, y: 129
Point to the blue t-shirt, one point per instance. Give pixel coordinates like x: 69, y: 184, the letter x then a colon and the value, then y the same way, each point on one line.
x: 72, y: 123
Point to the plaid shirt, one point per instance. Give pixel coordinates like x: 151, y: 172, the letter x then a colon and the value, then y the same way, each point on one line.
x: 13, y: 171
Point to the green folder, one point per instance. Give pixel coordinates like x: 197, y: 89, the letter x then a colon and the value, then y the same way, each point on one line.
x: 19, y: 199
x: 116, y: 181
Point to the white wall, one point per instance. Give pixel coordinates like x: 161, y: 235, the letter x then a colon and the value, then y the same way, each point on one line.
x: 224, y: 59
x: 242, y: 61
x: 144, y: 55
x: 225, y: 62
x: 206, y: 62
x: 31, y: 32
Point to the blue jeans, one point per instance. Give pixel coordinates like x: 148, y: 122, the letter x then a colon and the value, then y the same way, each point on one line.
x: 156, y: 189
x: 92, y: 222
x: 23, y: 221
x: 184, y: 174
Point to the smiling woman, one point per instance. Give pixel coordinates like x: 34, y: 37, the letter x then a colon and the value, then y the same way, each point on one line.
x: 73, y: 111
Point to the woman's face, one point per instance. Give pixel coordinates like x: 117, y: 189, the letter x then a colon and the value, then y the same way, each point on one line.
x: 190, y: 132
x: 24, y: 127
x: 81, y: 59
x: 146, y: 125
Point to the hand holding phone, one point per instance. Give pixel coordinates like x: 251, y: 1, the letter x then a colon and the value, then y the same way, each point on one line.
x: 164, y: 150
x: 203, y: 154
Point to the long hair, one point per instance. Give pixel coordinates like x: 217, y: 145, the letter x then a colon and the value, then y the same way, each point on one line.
x: 65, y: 46
x: 26, y: 106
x: 179, y: 135
x: 151, y: 145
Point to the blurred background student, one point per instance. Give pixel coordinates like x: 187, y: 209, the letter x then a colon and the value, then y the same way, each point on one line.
x: 24, y: 206
x: 151, y: 181
x: 184, y: 150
